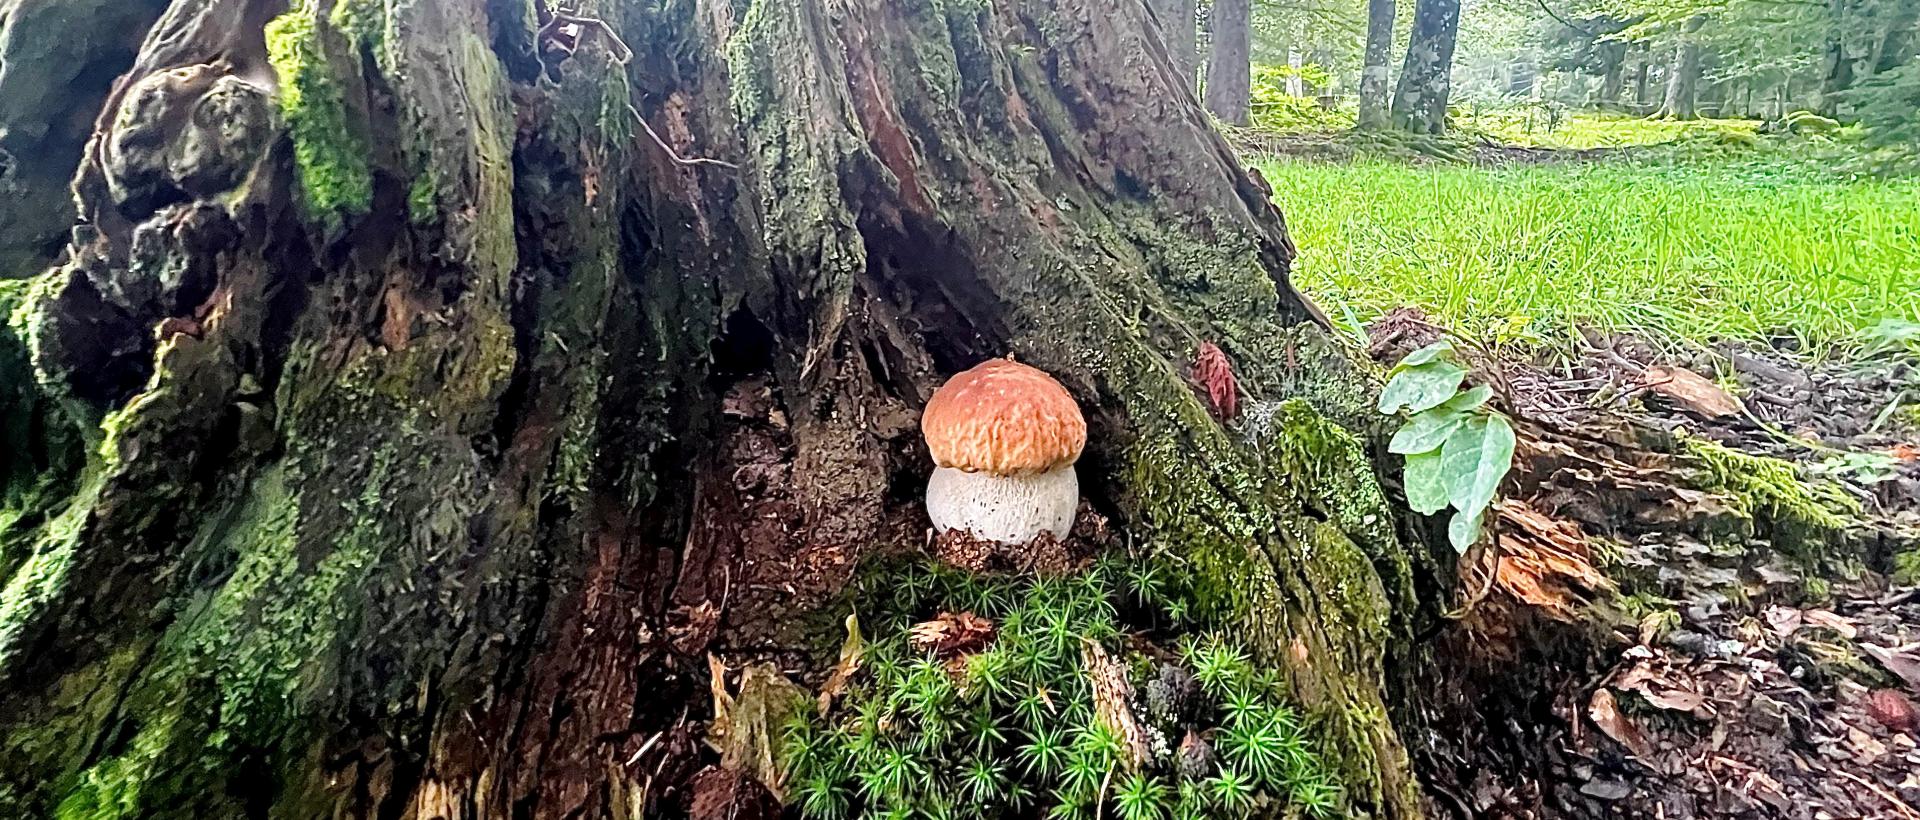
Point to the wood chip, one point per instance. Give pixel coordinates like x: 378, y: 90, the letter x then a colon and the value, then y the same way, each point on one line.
x: 1693, y: 392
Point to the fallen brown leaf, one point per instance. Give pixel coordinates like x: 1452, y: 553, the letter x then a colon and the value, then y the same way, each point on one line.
x: 1605, y: 712
x: 851, y: 653
x: 1901, y: 662
x: 1893, y: 710
x: 1823, y: 618
x: 1692, y: 392
x: 951, y: 634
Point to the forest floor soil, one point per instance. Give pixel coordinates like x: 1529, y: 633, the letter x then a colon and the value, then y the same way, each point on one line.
x: 1718, y: 672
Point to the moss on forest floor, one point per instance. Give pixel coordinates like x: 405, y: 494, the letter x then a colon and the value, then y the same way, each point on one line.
x: 979, y: 694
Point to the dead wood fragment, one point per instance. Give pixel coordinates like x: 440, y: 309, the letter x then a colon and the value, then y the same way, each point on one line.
x: 1692, y: 392
x: 1112, y: 696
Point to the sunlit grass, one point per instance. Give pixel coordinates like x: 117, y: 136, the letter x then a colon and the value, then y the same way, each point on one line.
x: 1680, y: 253
x: 1532, y: 126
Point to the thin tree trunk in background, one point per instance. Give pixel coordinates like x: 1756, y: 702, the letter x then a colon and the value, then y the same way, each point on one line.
x: 1426, y: 77
x: 435, y: 393
x: 1641, y: 73
x: 1229, y: 64
x: 1613, y: 78
x: 1375, y: 74
x: 1683, y: 78
x: 1178, y: 24
x: 1837, y: 68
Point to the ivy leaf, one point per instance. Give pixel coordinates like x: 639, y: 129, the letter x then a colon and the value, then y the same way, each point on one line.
x: 1428, y: 353
x: 1426, y: 485
x: 1474, y: 459
x: 1425, y: 432
x: 1429, y: 429
x: 1464, y: 530
x: 1422, y: 387
x: 1468, y: 400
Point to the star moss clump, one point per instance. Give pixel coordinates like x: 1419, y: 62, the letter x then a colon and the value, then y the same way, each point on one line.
x: 1013, y: 725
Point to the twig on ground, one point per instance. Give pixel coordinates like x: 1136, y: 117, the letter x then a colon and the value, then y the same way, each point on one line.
x: 1890, y: 797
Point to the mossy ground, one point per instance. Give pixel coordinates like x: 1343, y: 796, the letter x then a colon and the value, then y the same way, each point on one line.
x: 1016, y: 726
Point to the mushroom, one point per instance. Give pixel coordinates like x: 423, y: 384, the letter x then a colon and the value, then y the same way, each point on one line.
x: 1004, y: 437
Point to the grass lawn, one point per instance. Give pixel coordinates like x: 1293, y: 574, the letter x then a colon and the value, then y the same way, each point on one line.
x: 1678, y: 251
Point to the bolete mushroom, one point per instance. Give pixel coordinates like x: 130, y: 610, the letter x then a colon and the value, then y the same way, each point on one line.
x: 1004, y: 437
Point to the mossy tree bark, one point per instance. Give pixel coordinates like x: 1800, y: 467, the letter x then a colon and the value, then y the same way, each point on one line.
x: 1375, y: 85
x: 1683, y: 75
x: 1229, y: 87
x: 1426, y: 76
x: 428, y: 387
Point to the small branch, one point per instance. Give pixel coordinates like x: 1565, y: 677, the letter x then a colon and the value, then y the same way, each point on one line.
x: 1564, y: 21
x: 1891, y: 798
x: 621, y: 54
x: 672, y: 154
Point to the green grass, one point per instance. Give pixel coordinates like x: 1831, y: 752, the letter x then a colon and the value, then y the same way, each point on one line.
x: 1682, y: 251
x: 1590, y: 129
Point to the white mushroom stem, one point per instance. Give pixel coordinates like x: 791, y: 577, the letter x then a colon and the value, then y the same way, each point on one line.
x: 1004, y: 509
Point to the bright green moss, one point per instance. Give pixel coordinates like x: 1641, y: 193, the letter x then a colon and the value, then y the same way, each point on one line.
x: 1906, y: 568
x: 1802, y: 514
x: 43, y: 574
x: 1015, y: 727
x: 364, y: 22
x: 329, y: 152
x: 423, y: 201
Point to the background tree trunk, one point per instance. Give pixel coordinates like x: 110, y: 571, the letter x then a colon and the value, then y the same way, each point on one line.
x: 1683, y: 78
x: 1640, y: 77
x: 1179, y: 20
x: 1426, y: 77
x: 1229, y: 61
x: 429, y: 388
x: 1614, y: 72
x: 1374, y: 75
x: 1836, y: 66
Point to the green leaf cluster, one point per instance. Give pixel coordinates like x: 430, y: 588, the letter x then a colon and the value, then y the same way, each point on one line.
x: 1457, y: 450
x: 1013, y: 729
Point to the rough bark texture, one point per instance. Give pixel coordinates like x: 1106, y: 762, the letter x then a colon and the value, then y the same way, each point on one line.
x: 51, y: 86
x: 1375, y: 96
x: 1836, y: 74
x: 1179, y: 26
x: 1613, y: 73
x: 1643, y: 68
x: 410, y: 424
x: 1229, y: 87
x: 1894, y: 45
x: 1426, y: 77
x: 1683, y: 75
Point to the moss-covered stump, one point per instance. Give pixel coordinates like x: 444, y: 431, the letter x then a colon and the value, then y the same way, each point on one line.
x: 451, y: 378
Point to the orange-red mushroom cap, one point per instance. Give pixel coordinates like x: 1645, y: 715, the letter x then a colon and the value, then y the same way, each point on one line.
x: 1005, y: 418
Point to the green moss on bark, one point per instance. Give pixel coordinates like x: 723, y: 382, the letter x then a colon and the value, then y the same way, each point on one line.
x: 329, y: 149
x: 1800, y: 516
